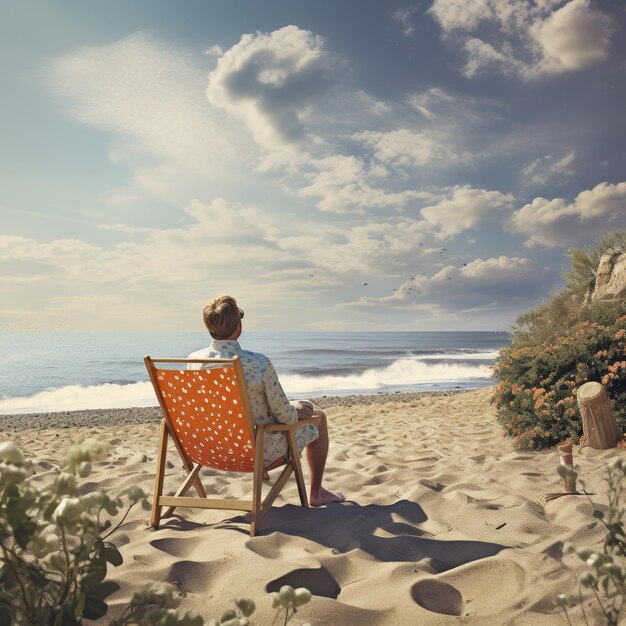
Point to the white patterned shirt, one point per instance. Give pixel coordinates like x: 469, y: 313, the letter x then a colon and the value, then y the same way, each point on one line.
x: 268, y: 402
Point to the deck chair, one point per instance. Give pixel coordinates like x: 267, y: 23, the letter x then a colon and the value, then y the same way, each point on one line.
x: 206, y: 412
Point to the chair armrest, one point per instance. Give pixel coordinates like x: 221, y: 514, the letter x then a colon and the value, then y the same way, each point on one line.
x: 276, y: 427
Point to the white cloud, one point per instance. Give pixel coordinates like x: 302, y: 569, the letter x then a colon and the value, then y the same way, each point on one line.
x: 377, y: 107
x: 405, y: 148
x: 429, y: 102
x: 548, y: 168
x: 151, y: 98
x: 126, y: 229
x: 531, y: 39
x: 493, y: 286
x: 462, y: 209
x: 177, y: 144
x: 268, y: 80
x: 499, y: 269
x: 382, y: 248
x: 398, y: 244
x: 214, y: 51
x: 159, y: 278
x: 556, y: 222
x: 573, y: 38
x: 481, y: 55
x: 342, y: 183
x: 437, y: 138
x: 90, y: 286
x: 404, y: 17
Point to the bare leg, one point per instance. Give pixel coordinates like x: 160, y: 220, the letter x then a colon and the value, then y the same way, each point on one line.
x: 277, y: 463
x: 316, y: 453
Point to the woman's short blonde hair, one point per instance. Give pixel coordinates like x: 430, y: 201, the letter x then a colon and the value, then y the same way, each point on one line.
x: 221, y: 317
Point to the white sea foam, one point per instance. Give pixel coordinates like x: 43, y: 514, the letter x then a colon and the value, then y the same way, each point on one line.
x: 77, y: 397
x: 401, y: 373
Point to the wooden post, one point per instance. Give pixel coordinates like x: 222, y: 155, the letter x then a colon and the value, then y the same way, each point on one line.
x: 599, y: 427
x: 567, y: 459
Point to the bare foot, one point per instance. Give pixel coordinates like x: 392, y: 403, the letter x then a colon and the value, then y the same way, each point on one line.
x: 326, y: 497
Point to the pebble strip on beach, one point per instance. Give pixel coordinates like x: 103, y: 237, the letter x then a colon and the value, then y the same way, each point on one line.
x: 143, y: 415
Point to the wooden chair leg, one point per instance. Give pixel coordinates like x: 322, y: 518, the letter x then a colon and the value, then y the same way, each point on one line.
x: 276, y: 488
x: 160, y: 475
x: 184, y: 488
x: 297, y: 468
x: 257, y: 481
x: 188, y: 465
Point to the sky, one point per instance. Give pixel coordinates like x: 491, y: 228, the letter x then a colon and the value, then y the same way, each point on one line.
x: 335, y: 166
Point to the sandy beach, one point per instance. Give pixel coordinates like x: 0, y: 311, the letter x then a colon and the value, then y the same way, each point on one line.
x: 443, y: 525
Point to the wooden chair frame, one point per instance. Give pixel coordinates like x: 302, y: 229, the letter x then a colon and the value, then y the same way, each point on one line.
x: 255, y: 505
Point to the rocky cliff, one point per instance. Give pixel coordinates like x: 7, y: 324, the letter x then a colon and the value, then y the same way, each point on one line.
x: 610, y: 283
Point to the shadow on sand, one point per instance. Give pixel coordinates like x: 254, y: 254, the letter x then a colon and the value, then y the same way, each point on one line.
x: 373, y: 528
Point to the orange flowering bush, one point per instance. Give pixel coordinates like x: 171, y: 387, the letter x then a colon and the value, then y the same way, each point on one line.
x: 536, y: 394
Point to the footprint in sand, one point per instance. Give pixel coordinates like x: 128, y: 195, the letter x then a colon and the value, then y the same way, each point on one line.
x: 191, y: 576
x: 479, y: 458
x: 181, y: 548
x: 471, y: 583
x: 318, y: 581
x: 435, y: 486
x: 438, y: 597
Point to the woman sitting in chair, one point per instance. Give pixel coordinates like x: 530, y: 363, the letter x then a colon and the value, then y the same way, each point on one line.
x: 268, y: 401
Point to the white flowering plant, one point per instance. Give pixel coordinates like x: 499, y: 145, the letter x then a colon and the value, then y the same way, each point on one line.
x: 289, y: 600
x: 55, y: 552
x: 54, y: 540
x: 605, y: 577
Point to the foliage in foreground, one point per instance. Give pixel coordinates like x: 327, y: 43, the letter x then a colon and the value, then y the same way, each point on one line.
x: 536, y: 396
x: 55, y: 552
x: 54, y: 540
x: 156, y: 606
x: 604, y: 580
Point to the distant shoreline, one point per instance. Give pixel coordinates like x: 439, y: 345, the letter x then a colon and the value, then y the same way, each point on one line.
x: 89, y: 418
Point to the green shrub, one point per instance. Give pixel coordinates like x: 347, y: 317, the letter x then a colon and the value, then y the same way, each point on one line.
x: 536, y: 395
x: 562, y: 344
x: 605, y: 577
x: 569, y: 306
x: 603, y: 313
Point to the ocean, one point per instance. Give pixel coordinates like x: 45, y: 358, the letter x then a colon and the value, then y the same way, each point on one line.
x: 42, y: 372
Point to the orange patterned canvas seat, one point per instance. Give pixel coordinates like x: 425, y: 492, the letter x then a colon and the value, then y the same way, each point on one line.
x: 207, y: 415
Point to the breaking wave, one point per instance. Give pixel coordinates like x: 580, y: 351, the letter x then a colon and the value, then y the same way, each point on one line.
x: 406, y: 374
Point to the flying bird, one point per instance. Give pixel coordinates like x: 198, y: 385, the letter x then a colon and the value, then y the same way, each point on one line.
x: 312, y: 275
x: 365, y: 284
